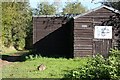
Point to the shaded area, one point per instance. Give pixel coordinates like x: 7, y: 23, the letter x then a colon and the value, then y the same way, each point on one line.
x: 58, y: 43
x: 11, y: 58
x: 17, y: 57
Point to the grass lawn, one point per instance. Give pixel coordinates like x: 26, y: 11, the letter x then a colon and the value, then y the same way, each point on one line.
x: 55, y: 68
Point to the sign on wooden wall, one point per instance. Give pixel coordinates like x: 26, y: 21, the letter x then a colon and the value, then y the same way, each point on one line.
x: 103, y: 32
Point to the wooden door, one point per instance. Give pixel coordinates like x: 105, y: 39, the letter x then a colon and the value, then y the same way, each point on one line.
x: 102, y: 46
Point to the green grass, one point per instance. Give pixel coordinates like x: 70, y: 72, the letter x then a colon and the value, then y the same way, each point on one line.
x: 15, y: 52
x: 55, y: 68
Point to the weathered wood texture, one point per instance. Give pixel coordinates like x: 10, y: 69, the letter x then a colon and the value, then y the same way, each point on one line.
x: 84, y: 42
x: 53, y: 36
x: 45, y: 25
x: 73, y: 37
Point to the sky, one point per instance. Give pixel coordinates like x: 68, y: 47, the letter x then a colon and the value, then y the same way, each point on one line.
x: 89, y: 4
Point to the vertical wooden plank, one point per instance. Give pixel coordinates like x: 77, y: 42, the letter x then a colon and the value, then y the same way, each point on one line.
x: 34, y: 29
x: 102, y: 46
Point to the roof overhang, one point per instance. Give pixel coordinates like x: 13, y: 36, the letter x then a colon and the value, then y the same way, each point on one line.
x: 103, y: 6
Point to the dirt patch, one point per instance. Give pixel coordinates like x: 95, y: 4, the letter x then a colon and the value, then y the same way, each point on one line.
x: 16, y: 57
x: 8, y: 59
x: 3, y: 63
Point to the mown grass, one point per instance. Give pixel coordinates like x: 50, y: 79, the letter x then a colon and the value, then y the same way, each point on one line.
x: 55, y: 67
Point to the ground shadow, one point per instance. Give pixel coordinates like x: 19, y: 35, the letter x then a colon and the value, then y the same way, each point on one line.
x: 11, y: 58
x: 17, y: 57
x: 58, y: 43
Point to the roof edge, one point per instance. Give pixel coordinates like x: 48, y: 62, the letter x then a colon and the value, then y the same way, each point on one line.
x: 110, y: 8
x: 45, y: 16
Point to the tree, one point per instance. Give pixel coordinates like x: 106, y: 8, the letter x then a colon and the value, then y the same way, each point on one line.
x: 45, y: 8
x: 115, y: 5
x: 15, y: 22
x: 111, y: 3
x: 74, y: 8
x: 0, y: 25
x: 114, y: 21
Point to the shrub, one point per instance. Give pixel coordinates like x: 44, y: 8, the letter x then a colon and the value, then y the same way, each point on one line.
x: 114, y: 61
x: 99, y: 67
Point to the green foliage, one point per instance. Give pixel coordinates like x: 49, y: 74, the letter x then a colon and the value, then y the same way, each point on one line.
x: 15, y: 22
x: 99, y: 68
x: 45, y: 8
x: 74, y: 8
x: 115, y: 5
x: 114, y: 60
x: 32, y: 57
x: 0, y: 25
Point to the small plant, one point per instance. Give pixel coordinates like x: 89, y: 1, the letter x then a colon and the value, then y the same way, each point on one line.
x: 32, y: 57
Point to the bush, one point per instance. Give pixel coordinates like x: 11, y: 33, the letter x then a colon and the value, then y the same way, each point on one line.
x: 114, y: 60
x: 99, y: 67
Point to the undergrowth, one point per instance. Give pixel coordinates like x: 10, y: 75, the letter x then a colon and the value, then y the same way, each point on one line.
x: 98, y: 67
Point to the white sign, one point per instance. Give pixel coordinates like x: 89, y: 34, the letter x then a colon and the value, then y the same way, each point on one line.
x: 103, y: 32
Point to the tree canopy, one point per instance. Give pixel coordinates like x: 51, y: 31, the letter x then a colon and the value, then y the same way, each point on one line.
x: 15, y: 23
x: 44, y: 8
x: 74, y: 8
x: 115, y: 5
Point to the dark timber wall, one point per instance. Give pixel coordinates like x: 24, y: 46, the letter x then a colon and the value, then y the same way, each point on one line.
x: 53, y: 36
x: 84, y: 42
x: 63, y: 37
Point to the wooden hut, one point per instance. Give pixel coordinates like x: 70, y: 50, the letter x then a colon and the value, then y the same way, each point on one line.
x: 73, y: 37
x: 85, y: 42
